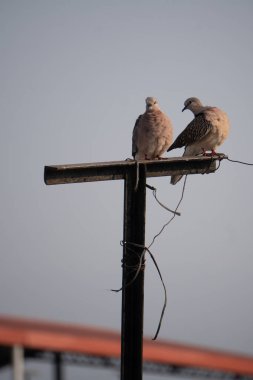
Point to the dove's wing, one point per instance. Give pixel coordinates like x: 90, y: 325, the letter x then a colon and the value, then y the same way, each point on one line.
x: 134, y: 137
x: 198, y: 128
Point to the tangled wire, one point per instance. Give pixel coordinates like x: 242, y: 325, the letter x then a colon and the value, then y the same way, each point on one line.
x: 132, y: 245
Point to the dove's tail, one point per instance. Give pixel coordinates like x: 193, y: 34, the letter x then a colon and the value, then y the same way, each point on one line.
x: 175, y: 179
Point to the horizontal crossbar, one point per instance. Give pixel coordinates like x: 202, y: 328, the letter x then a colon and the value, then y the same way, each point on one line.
x: 115, y: 170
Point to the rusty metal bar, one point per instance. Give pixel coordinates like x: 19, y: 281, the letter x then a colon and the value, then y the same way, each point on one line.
x: 105, y: 171
x: 133, y: 292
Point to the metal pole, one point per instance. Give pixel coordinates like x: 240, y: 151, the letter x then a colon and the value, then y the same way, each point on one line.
x: 18, y: 363
x: 133, y: 294
x: 58, y: 372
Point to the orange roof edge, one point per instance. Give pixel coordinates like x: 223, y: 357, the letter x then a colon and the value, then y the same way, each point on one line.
x: 63, y: 337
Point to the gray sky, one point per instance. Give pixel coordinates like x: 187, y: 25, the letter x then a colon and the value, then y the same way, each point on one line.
x: 74, y: 77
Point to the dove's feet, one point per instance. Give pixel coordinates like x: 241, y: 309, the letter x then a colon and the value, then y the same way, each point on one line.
x: 211, y: 154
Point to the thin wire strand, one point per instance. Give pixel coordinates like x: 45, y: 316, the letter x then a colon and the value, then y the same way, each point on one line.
x: 137, y: 176
x: 167, y: 223
x: 239, y: 162
x: 146, y: 249
x: 136, y: 268
x: 219, y: 164
x: 165, y: 295
x: 162, y: 205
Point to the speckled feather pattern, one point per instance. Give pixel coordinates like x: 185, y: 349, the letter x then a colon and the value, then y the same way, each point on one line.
x: 198, y: 128
x: 205, y: 132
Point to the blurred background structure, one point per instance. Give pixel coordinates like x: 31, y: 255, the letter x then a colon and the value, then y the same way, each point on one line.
x: 62, y: 344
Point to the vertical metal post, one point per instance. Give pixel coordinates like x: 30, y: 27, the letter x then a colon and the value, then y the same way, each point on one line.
x: 18, y: 363
x: 58, y: 370
x: 133, y: 294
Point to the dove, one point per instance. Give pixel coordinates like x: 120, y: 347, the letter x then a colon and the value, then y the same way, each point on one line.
x: 207, y: 131
x: 152, y: 133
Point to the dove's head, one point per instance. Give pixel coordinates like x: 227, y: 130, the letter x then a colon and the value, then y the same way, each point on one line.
x: 151, y: 104
x: 193, y: 104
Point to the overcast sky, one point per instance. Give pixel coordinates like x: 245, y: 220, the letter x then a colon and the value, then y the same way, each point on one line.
x: 74, y: 77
